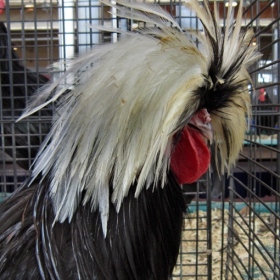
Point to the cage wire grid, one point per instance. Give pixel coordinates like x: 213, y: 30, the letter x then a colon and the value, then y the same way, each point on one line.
x: 232, y: 236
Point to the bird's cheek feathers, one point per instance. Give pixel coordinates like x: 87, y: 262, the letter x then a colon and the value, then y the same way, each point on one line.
x: 190, y: 158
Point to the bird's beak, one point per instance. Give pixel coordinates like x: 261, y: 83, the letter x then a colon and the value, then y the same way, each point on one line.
x: 201, y: 121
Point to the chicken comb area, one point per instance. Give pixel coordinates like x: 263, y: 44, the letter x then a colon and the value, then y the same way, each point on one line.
x: 190, y: 158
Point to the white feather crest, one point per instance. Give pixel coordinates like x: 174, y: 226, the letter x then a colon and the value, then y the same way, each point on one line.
x: 114, y: 128
x: 119, y: 120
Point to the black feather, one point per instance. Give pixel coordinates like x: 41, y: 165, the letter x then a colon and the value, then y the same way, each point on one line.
x: 215, y: 95
x: 142, y: 241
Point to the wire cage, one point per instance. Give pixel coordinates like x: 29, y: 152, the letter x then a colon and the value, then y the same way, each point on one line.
x: 232, y: 234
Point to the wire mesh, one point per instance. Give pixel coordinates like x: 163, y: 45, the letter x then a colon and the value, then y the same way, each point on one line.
x: 233, y: 237
x: 253, y: 225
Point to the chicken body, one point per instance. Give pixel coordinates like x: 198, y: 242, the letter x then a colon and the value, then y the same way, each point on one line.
x: 104, y: 200
x: 142, y: 239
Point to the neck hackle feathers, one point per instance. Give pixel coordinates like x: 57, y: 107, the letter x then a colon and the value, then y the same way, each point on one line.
x: 127, y: 101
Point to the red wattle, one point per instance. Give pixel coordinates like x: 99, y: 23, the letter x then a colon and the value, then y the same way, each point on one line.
x: 190, y: 158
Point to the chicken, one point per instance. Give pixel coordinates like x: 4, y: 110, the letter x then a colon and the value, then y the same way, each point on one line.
x: 17, y: 83
x: 133, y: 121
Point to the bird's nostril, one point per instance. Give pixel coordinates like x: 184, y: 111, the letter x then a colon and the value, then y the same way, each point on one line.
x: 207, y: 119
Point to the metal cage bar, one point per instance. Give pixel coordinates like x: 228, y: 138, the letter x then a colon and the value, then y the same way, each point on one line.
x: 226, y: 237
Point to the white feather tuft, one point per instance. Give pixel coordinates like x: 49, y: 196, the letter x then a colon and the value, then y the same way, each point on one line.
x: 115, y: 127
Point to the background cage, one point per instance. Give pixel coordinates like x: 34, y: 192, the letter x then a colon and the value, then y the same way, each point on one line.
x: 233, y: 236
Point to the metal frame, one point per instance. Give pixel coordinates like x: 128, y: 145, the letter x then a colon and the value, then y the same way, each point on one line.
x: 51, y: 31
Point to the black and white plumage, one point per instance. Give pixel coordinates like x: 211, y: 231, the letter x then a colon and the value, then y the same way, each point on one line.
x: 104, y: 200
